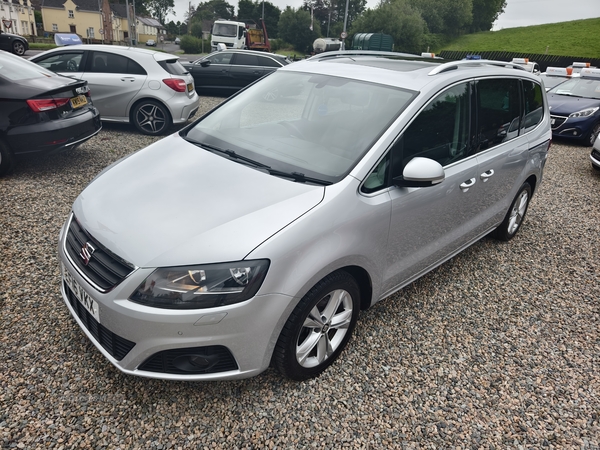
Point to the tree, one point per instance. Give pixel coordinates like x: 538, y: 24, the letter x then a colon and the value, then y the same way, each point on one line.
x: 398, y: 19
x: 213, y: 10
x: 294, y: 27
x: 160, y: 8
x: 485, y: 13
x: 355, y: 9
x: 248, y: 10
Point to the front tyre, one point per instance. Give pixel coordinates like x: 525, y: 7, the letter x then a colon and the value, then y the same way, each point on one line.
x: 591, y: 138
x: 151, y: 117
x: 515, y: 216
x: 18, y: 48
x: 319, y: 327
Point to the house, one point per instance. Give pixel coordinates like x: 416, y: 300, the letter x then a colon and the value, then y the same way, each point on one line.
x: 17, y: 17
x: 148, y: 28
x: 96, y: 20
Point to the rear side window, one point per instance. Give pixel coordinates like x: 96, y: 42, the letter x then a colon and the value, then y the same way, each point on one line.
x: 245, y: 60
x: 111, y: 63
x: 173, y: 66
x: 533, y: 104
x: 498, y: 111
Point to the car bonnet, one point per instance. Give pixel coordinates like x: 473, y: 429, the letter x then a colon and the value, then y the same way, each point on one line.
x: 174, y: 204
x: 565, y: 105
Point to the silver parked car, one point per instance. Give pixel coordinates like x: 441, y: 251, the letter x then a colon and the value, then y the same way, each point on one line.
x: 255, y: 235
x: 150, y: 89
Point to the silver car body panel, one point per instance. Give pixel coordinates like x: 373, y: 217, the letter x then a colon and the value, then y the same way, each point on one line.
x: 115, y: 94
x: 177, y: 204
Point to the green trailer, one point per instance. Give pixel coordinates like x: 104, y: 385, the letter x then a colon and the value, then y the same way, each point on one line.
x: 373, y: 41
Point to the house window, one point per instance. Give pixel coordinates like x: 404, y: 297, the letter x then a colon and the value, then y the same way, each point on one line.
x: 71, y: 15
x: 54, y: 27
x: 24, y: 26
x: 90, y: 32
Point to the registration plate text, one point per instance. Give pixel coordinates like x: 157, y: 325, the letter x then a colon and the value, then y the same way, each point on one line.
x: 84, y: 298
x: 79, y: 101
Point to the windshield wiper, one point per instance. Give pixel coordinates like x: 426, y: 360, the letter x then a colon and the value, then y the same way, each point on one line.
x: 297, y: 176
x: 230, y: 153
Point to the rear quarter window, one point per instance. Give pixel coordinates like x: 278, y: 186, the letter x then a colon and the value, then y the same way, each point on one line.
x: 173, y: 66
x: 534, y: 105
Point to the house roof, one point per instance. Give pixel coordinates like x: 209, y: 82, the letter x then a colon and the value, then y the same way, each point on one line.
x: 118, y: 10
x: 151, y: 22
x: 83, y: 5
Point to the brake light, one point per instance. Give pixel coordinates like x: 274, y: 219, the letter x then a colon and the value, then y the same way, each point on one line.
x: 46, y: 104
x: 177, y: 84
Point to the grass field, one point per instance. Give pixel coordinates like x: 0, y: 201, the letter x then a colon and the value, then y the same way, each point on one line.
x: 575, y: 38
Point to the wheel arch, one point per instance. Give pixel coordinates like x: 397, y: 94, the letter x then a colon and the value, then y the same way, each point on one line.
x: 364, y: 283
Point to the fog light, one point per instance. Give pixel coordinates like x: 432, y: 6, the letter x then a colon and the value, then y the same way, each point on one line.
x: 195, y: 362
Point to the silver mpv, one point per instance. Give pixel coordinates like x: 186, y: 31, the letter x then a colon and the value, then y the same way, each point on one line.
x: 256, y: 234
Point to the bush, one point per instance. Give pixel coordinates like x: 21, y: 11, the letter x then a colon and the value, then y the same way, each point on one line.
x: 280, y: 44
x: 193, y: 45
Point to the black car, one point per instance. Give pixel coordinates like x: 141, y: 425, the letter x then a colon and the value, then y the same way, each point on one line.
x: 13, y: 43
x: 40, y: 111
x: 229, y: 71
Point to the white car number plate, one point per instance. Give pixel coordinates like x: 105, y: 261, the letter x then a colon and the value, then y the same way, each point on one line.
x: 84, y: 298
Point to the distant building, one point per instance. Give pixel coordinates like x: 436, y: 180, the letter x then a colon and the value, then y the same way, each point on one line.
x: 96, y: 20
x: 17, y: 17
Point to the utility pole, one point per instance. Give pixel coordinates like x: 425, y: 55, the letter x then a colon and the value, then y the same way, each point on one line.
x: 134, y: 25
x: 129, y: 22
x: 344, y: 34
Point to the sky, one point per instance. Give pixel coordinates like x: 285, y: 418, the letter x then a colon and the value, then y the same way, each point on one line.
x: 518, y: 13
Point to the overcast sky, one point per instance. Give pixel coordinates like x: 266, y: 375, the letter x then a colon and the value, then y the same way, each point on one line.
x: 518, y: 13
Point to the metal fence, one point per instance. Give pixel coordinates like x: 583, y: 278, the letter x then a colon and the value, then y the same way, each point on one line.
x: 543, y: 61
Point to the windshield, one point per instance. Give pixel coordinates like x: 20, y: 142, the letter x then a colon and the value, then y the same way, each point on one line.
x: 224, y: 29
x: 579, y: 87
x: 315, y: 125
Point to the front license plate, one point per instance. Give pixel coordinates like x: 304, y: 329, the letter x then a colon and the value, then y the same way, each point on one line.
x: 84, y: 298
x: 190, y: 87
x: 79, y: 101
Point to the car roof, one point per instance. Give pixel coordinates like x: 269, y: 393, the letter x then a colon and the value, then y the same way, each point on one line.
x: 118, y: 49
x: 404, y: 70
x: 251, y: 52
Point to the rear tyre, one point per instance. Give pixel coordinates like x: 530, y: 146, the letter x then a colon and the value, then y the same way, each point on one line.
x: 594, y: 132
x: 151, y: 117
x: 319, y: 327
x: 515, y: 216
x: 6, y: 159
x: 18, y: 48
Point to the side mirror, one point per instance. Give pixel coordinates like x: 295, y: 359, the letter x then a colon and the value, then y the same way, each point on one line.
x: 205, y: 63
x: 421, y: 172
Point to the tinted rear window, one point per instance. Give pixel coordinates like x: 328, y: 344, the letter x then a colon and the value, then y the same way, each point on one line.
x: 173, y: 66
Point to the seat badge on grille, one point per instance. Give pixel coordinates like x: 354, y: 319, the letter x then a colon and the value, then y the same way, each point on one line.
x: 86, y: 253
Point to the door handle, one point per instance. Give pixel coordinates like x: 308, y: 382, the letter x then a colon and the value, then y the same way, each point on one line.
x: 132, y: 79
x: 486, y: 175
x: 467, y: 184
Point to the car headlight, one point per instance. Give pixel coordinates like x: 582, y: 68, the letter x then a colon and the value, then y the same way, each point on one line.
x: 202, y: 286
x: 584, y: 112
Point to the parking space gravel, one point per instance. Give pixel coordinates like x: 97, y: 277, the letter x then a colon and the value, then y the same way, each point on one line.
x: 498, y: 348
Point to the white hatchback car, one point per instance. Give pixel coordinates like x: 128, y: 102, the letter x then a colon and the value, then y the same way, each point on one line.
x: 256, y: 234
x: 150, y: 89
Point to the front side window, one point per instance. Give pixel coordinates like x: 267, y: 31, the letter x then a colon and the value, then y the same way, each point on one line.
x: 62, y: 62
x: 314, y: 125
x: 220, y: 58
x: 498, y: 111
x: 440, y: 132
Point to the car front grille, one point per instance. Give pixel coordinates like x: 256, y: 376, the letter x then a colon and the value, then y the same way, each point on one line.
x: 104, y: 270
x: 114, y: 344
x: 177, y: 361
x: 557, y: 121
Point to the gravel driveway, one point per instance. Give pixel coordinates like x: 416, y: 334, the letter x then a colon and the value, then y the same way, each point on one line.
x: 498, y: 348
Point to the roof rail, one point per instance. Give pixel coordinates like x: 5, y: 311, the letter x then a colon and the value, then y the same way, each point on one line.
x: 453, y: 65
x: 351, y: 53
